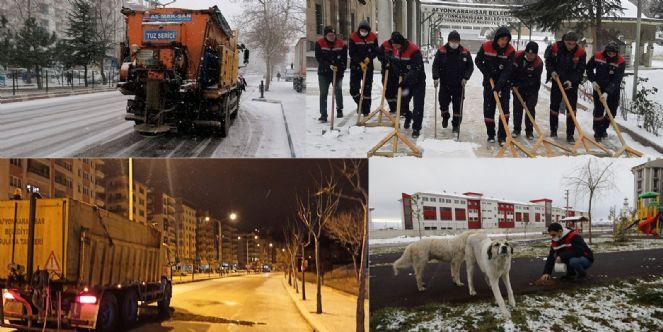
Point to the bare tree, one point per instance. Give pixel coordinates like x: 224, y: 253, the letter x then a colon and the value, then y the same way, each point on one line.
x: 293, y: 234
x: 348, y: 229
x: 270, y: 26
x: 353, y: 172
x: 315, y: 211
x: 591, y: 180
x: 108, y: 26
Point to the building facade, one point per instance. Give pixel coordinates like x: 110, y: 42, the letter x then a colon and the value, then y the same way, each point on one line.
x: 117, y: 198
x: 80, y: 179
x: 470, y: 210
x: 647, y: 177
x: 185, y: 233
x: 162, y: 213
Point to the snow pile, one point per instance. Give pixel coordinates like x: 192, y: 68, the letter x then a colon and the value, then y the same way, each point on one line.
x: 448, y: 148
x: 624, y: 306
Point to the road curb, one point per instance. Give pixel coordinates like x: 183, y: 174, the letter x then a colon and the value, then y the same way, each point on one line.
x: 16, y: 99
x: 317, y: 326
x: 199, y: 280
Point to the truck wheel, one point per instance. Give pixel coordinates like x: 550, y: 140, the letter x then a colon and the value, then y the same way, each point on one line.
x: 129, y: 308
x: 107, y: 316
x: 225, y: 123
x: 234, y: 114
x: 164, y: 304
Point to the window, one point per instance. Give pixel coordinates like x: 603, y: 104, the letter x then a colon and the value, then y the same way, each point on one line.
x: 640, y: 174
x: 15, y: 162
x: 460, y: 214
x: 639, y: 184
x: 445, y: 213
x: 537, y: 217
x: 15, y: 182
x: 519, y: 216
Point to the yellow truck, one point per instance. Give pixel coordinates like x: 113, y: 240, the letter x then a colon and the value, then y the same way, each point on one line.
x: 67, y: 265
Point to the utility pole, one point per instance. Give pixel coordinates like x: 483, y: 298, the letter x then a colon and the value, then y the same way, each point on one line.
x: 566, y: 195
x: 636, y: 60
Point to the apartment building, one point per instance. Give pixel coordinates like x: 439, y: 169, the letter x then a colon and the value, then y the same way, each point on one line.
x: 80, y: 179
x: 471, y: 210
x: 185, y: 232
x: 117, y: 198
x: 162, y: 213
x: 647, y: 177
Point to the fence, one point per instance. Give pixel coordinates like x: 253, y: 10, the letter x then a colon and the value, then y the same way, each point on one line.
x: 64, y: 79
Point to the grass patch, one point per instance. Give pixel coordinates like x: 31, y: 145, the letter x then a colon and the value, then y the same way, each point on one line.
x: 647, y: 294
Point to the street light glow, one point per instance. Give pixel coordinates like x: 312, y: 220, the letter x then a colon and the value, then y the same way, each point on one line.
x: 255, y: 237
x: 232, y: 216
x: 271, y: 245
x: 206, y: 218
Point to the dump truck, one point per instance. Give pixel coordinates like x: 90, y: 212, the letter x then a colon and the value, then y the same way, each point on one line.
x: 182, y: 66
x: 67, y: 265
x: 299, y: 66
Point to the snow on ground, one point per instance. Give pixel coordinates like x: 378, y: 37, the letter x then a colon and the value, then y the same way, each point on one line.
x: 410, y: 239
x: 655, y: 77
x: 356, y: 142
x: 622, y: 306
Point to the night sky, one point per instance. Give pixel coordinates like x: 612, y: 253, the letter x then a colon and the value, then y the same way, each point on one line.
x: 261, y: 191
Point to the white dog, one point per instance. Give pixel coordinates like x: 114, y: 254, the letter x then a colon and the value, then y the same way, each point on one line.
x: 419, y: 253
x: 494, y: 260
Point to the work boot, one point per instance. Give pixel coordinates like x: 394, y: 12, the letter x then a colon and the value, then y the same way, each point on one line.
x: 455, y: 130
x: 530, y: 136
x: 515, y: 134
x: 445, y: 122
x: 570, y: 140
x: 415, y: 134
x: 598, y: 137
x: 553, y: 134
x: 407, y: 123
x: 491, y: 139
x: 339, y: 113
x: 500, y: 142
x: 323, y: 119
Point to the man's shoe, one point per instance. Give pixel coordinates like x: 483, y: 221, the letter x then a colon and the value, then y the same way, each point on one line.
x: 553, y: 134
x: 407, y: 123
x: 339, y: 114
x: 529, y: 136
x: 455, y: 130
x: 491, y: 139
x: 500, y: 142
x: 598, y: 137
x: 570, y: 140
x: 445, y: 122
x: 515, y: 134
x: 415, y: 134
x: 323, y: 119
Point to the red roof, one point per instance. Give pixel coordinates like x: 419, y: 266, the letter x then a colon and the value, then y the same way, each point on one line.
x: 541, y: 200
x: 469, y: 193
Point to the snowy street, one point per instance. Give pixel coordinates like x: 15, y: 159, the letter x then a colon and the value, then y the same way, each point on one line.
x: 352, y: 141
x: 94, y: 125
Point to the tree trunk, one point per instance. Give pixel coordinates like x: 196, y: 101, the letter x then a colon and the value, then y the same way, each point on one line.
x: 303, y: 275
x: 363, y: 267
x: 101, y: 71
x: 589, y: 212
x: 38, y: 77
x: 318, y: 279
x: 85, y: 75
x: 598, y: 41
x: 268, y: 73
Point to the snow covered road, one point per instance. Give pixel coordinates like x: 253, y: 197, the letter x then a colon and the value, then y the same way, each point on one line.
x: 94, y: 125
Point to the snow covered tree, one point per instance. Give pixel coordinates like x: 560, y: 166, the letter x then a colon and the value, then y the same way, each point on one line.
x: 592, y: 180
x: 6, y: 43
x: 552, y: 14
x: 656, y: 8
x: 82, y: 35
x: 271, y: 27
x: 649, y: 112
x: 33, y: 48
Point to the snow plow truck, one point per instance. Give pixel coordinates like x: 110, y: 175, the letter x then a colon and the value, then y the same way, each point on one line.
x: 66, y: 265
x: 182, y: 67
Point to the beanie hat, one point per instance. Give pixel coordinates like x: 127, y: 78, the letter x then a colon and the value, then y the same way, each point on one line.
x: 454, y: 35
x: 532, y: 47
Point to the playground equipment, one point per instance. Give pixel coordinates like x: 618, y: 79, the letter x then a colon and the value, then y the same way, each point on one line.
x: 649, y: 216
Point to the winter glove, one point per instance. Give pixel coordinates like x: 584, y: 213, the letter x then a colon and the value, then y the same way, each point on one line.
x: 596, y: 86
x: 405, y: 92
x: 554, y: 75
x: 463, y: 82
x: 568, y: 85
x: 333, y: 67
x: 604, y: 96
x: 363, y: 66
x: 367, y: 60
x: 436, y: 83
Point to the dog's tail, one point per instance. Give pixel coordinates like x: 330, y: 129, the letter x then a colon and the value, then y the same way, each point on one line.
x: 404, y: 261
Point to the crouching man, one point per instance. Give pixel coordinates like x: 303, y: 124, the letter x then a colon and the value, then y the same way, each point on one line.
x: 567, y: 247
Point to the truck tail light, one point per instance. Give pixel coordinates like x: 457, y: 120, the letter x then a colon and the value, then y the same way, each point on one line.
x: 86, y: 299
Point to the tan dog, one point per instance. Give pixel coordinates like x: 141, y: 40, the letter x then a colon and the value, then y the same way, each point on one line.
x: 419, y: 253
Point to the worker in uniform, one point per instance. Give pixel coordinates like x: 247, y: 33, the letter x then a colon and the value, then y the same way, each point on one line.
x: 565, y: 60
x: 385, y: 55
x: 409, y: 62
x: 452, y: 68
x: 568, y: 247
x: 605, y: 70
x: 527, y: 71
x: 363, y: 49
x: 495, y: 61
x: 332, y: 55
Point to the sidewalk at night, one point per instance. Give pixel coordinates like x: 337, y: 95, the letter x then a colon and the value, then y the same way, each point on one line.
x: 339, y: 308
